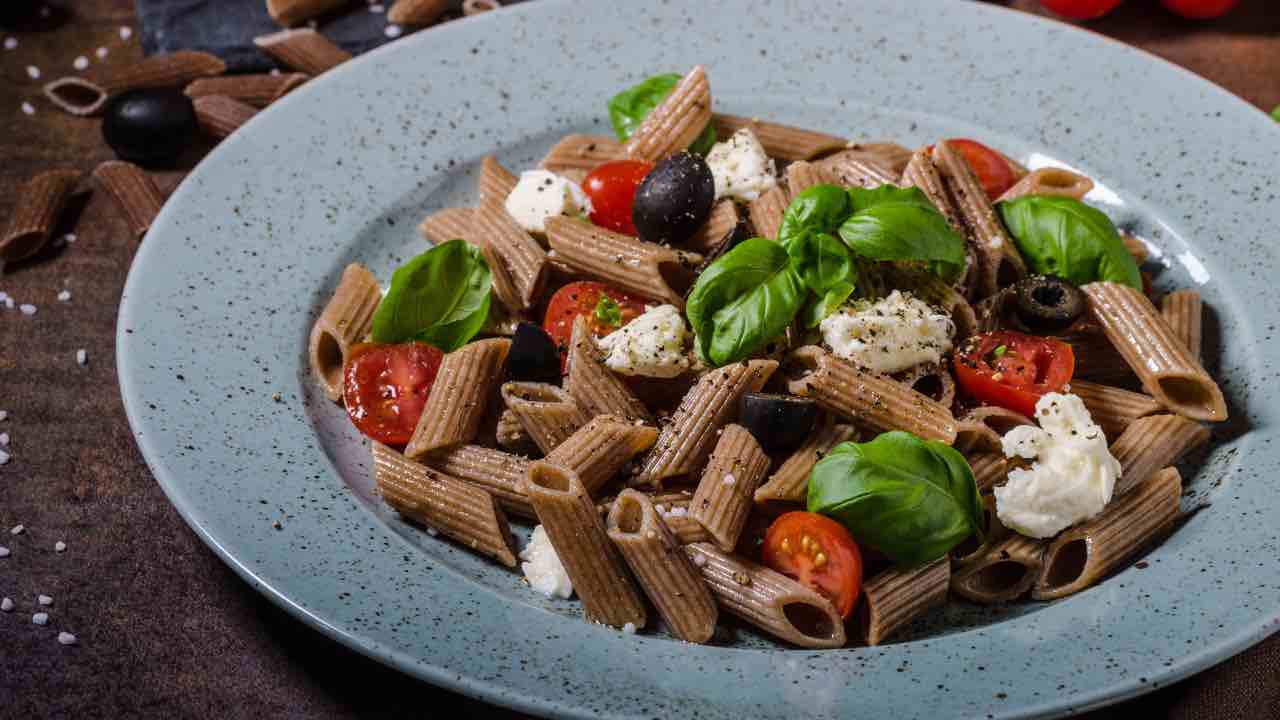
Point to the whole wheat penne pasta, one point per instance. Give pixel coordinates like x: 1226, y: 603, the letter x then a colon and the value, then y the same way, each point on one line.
x: 1151, y: 443
x: 895, y: 597
x: 802, y: 175
x: 640, y: 267
x: 595, y: 387
x: 448, y: 224
x: 548, y: 413
x: 1160, y: 359
x: 676, y: 122
x: 417, y: 12
x: 303, y: 49
x: 921, y: 172
x: 685, y: 528
x: 510, y: 433
x: 291, y: 12
x: 781, y: 142
x: 687, y: 440
x: 498, y: 473
x: 257, y: 90
x: 1086, y: 553
x: 1184, y: 312
x: 989, y: 469
x: 853, y: 168
x: 578, y: 535
x: 872, y: 401
x: 664, y: 501
x: 502, y: 281
x: 767, y: 599
x: 971, y: 550
x: 458, y: 397
x: 1097, y: 359
x: 1005, y: 572
x: 974, y: 436
x: 1049, y: 181
x: 219, y: 115
x: 462, y: 512
x: 721, y: 223
x: 35, y: 213
x: 664, y: 570
x: 345, y: 321
x: 766, y: 212
x: 582, y: 152
x: 134, y: 192
x: 524, y: 258
x: 723, y: 498
x: 1136, y: 247
x: 999, y: 419
x: 599, y: 449
x: 790, y: 482
x: 999, y: 261
x: 496, y: 182
x: 88, y: 94
x: 886, y: 153
x: 1113, y: 408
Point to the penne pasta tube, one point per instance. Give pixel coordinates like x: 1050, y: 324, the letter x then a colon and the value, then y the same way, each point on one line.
x: 548, y: 413
x: 722, y: 222
x: 448, y: 224
x: 1049, y: 181
x: 989, y: 469
x: 510, y: 433
x: 1151, y: 443
x: 766, y: 212
x: 1113, y: 408
x: 853, y: 168
x: 219, y: 115
x: 687, y: 440
x: 87, y: 94
x: 888, y: 154
x: 1184, y: 312
x: 676, y: 122
x: 920, y: 172
x: 502, y: 281
x: 303, y: 49
x: 999, y: 263
x: 596, y: 388
x: 35, y: 213
x: 663, y: 569
x: 663, y: 501
x: 1005, y: 572
x: 578, y: 535
x: 723, y: 498
x: 602, y: 447
x: 496, y: 182
x: 685, y: 528
x: 973, y: 436
x: 971, y: 550
x: 292, y: 12
x: 639, y: 267
x: 417, y: 12
x: 931, y: 380
x: 461, y: 512
x: 802, y: 175
x: 134, y: 192
x: 344, y: 322
x: 256, y: 90
x: 1097, y: 359
x: 895, y: 597
x: 498, y: 473
x: 582, y: 152
x: 790, y: 482
x: 522, y: 256
x: 767, y: 599
x: 1160, y: 359
x: 1086, y: 553
x: 458, y: 397
x: 999, y: 419
x: 781, y: 142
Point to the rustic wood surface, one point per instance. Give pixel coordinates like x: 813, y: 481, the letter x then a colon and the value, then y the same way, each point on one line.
x: 165, y: 629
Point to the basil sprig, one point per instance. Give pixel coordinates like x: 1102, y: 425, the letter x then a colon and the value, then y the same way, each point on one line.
x: 440, y: 297
x: 1064, y: 237
x: 911, y: 499
x: 892, y: 223
x: 628, y: 109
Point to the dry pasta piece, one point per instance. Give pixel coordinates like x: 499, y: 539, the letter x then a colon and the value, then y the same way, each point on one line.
x: 502, y: 281
x: 133, y: 191
x: 88, y: 94
x: 523, y: 257
x: 802, y: 175
x: 578, y: 535
x: 989, y: 469
x: 636, y: 266
x: 1160, y: 359
x: 448, y: 224
x: 1049, y: 181
x: 1084, y: 554
x: 460, y: 511
x: 292, y: 12
x: 582, y: 152
x: 35, y: 213
x: 1183, y: 310
x: 1151, y: 443
x: 417, y: 12
x: 303, y: 49
x: 781, y: 142
x: 871, y: 401
x: 933, y: 380
x: 790, y: 482
x: 895, y: 597
x: 999, y: 263
x: 685, y: 528
x: 219, y: 115
x: 1005, y: 572
x: 723, y: 498
x: 1097, y: 359
x: 722, y: 222
x: 665, y: 572
x: 1113, y: 408
x: 599, y: 449
x: 663, y: 501
x: 498, y: 473
x: 345, y: 321
x: 688, y: 439
x: 596, y: 388
x: 496, y: 182
x: 458, y: 397
x: 974, y: 436
x: 510, y: 433
x: 676, y: 122
x: 853, y: 168
x: 766, y: 212
x: 999, y: 419
x: 257, y: 90
x: 971, y: 550
x: 922, y: 173
x: 548, y: 413
x: 891, y: 155
x: 767, y: 599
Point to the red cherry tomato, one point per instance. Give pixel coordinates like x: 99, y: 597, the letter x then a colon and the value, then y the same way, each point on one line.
x: 1081, y: 9
x: 582, y: 298
x: 385, y: 388
x: 818, y: 552
x: 1200, y: 9
x: 992, y: 169
x: 1013, y: 370
x: 612, y: 189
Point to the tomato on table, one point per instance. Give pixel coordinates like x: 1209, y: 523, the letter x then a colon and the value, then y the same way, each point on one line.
x: 1013, y: 370
x: 992, y: 169
x: 385, y: 388
x: 583, y: 298
x: 819, y: 553
x: 1081, y: 9
x: 1200, y: 9
x: 612, y: 189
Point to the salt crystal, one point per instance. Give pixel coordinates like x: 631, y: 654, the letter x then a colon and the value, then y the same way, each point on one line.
x: 27, y: 309
x: 70, y: 237
x: 4, y: 552
x: 377, y: 9
x: 44, y: 600
x: 126, y: 32
x: 4, y: 415
x: 4, y: 438
x: 80, y: 63
x: 40, y: 618
x: 66, y: 638
x: 82, y: 357
x: 64, y: 296
x: 8, y: 303
x: 6, y: 605
x: 700, y: 560
x: 59, y: 546
x: 432, y: 532
x: 28, y: 109
x: 33, y: 72
x: 4, y: 457
x: 393, y: 31
x: 10, y: 43
x: 17, y: 529
x: 274, y: 72
x: 101, y: 53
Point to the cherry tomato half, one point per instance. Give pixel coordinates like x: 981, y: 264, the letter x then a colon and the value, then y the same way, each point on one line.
x: 1200, y: 9
x: 385, y: 388
x: 818, y: 552
x: 612, y: 189
x: 1081, y: 9
x: 1013, y: 370
x: 992, y: 169
x: 582, y: 298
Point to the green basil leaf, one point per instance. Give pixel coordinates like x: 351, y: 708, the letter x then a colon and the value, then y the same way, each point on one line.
x: 822, y: 261
x: 1064, y: 237
x: 821, y: 306
x: 743, y: 300
x: 893, y: 223
x: 440, y: 297
x: 818, y: 209
x: 1275, y: 113
x: 608, y: 312
x: 628, y: 109
x: 911, y: 499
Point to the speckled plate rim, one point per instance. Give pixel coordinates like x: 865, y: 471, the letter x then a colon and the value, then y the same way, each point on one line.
x: 159, y: 456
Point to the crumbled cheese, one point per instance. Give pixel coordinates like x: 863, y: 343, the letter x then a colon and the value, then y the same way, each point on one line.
x: 1073, y: 474
x: 66, y: 638
x: 652, y: 345
x: 44, y: 600
x: 69, y: 237
x: 889, y: 335
x: 6, y: 605
x: 741, y: 168
x: 540, y: 194
x: 40, y: 618
x: 542, y: 567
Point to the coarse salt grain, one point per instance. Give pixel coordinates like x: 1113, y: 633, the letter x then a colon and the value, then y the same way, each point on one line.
x: 28, y: 109
x: 4, y: 415
x: 17, y: 529
x: 33, y: 72
x: 101, y: 53
x: 10, y: 43
x: 8, y: 303
x: 80, y: 63
x: 27, y: 309
x: 59, y: 546
x: 44, y: 600
x: 432, y: 532
x: 4, y: 552
x: 66, y: 638
x: 126, y: 32
x: 6, y: 605
x: 4, y: 457
x: 82, y: 357
x: 40, y: 618
x: 70, y: 237
x: 376, y: 8
x: 4, y: 438
x: 393, y: 31
x: 64, y: 296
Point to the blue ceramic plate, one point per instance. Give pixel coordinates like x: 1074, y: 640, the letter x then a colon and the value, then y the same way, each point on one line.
x: 224, y: 289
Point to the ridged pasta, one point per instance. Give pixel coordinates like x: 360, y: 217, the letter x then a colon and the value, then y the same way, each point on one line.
x: 999, y: 262
x: 219, y: 115
x: 895, y: 597
x: 303, y: 49
x: 596, y: 388
x: 522, y: 256
x: 448, y: 224
x: 781, y: 142
x: 549, y: 413
x: 495, y: 182
x: 258, y: 90
x: 790, y: 482
x: 602, y: 447
x: 1113, y: 408
x: 723, y: 498
x: 38, y: 204
x: 510, y: 433
x: 417, y: 12
x: 676, y: 122
x: 971, y: 550
x: 88, y: 94
x: 721, y: 223
x: 345, y: 321
x: 458, y: 397
x: 854, y: 168
x: 989, y: 469
x: 636, y: 266
x: 1004, y: 572
x: 1151, y: 443
x: 1097, y: 359
x: 292, y: 12
x: 498, y: 473
x: 134, y: 192
x: 1183, y: 310
x: 1049, y: 181
x: 582, y: 152
x: 766, y: 212
x: 802, y: 175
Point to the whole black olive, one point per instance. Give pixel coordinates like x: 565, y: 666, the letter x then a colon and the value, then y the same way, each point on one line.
x: 1047, y: 304
x: 533, y: 356
x: 780, y: 423
x: 150, y: 127
x: 674, y: 199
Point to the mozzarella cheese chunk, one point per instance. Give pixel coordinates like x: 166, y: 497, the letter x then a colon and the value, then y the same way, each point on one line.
x: 540, y: 194
x: 889, y: 335
x: 1073, y: 474
x: 741, y: 168
x: 652, y: 345
x: 542, y: 567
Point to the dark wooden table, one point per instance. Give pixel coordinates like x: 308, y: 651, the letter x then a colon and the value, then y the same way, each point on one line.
x: 165, y: 629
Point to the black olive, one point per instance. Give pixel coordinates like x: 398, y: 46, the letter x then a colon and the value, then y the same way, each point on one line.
x: 780, y: 423
x: 1047, y: 304
x: 674, y: 199
x: 150, y: 127
x: 534, y: 356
